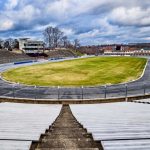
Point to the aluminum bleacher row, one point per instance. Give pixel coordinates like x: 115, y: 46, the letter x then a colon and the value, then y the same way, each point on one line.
x: 119, y: 126
x: 22, y: 123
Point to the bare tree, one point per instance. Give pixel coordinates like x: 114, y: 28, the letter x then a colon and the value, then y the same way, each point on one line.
x: 1, y: 43
x: 57, y: 36
x: 15, y: 44
x: 48, y: 34
x: 9, y: 44
x: 6, y: 44
x: 65, y: 41
x: 76, y: 43
x: 53, y: 36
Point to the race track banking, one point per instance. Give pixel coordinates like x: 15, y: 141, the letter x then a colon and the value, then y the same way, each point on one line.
x: 135, y: 88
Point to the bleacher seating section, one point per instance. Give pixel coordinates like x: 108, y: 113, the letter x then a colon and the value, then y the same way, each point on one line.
x: 61, y: 53
x: 8, y: 57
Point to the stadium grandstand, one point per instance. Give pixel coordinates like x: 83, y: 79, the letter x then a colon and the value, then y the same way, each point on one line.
x: 12, y: 56
x: 117, y: 126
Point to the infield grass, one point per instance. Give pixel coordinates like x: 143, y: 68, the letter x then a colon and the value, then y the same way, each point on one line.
x: 85, y: 71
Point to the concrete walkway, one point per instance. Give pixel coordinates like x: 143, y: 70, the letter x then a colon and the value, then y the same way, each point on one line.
x: 66, y: 133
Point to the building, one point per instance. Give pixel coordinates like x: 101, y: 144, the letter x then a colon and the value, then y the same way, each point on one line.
x: 31, y: 46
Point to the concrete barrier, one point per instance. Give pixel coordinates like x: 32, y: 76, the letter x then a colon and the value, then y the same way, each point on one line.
x: 64, y: 101
x: 73, y: 101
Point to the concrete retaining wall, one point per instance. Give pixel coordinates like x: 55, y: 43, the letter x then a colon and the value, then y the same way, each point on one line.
x: 85, y: 101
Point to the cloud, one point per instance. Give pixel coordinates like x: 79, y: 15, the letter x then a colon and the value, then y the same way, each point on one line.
x: 92, y: 21
x: 131, y: 16
x: 43, y: 27
x: 67, y: 31
x: 62, y: 9
x: 5, y: 23
x: 89, y: 34
x: 11, y: 4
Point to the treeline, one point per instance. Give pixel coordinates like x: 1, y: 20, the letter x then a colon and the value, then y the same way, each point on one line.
x: 53, y: 38
x: 9, y: 44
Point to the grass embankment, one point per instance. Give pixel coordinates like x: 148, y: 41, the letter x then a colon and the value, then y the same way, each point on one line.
x: 87, y: 71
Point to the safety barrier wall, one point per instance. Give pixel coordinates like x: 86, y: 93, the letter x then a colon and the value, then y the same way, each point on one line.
x: 77, y: 93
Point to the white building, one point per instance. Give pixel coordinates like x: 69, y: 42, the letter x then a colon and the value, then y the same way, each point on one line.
x: 31, y: 46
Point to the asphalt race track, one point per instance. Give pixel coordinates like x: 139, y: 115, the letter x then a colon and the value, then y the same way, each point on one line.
x: 138, y: 87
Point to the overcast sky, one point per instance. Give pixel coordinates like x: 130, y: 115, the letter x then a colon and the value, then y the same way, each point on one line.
x: 91, y: 21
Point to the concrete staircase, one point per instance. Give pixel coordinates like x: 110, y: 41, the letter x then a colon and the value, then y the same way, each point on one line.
x: 66, y: 133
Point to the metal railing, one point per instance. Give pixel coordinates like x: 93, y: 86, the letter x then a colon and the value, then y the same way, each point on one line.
x: 101, y: 92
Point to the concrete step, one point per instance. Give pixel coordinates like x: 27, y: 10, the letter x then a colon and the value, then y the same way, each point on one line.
x: 67, y: 144
x: 68, y: 128
x: 67, y: 149
x: 75, y: 135
x: 66, y: 121
x: 60, y: 138
x: 67, y: 124
x: 66, y: 133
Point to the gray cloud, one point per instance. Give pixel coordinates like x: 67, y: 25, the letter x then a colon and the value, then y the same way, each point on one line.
x: 92, y: 21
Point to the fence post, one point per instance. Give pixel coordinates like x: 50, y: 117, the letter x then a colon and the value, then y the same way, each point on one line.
x: 13, y: 90
x: 126, y: 94
x: 144, y: 89
x: 82, y: 92
x: 105, y: 94
x: 58, y: 92
x: 35, y: 92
